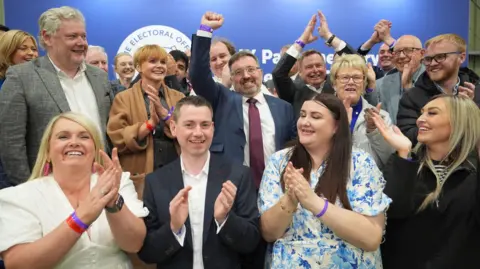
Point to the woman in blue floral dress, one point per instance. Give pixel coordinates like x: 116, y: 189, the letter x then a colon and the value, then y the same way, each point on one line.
x: 322, y: 204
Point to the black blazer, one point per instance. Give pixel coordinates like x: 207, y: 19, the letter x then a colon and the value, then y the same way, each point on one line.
x: 239, y: 235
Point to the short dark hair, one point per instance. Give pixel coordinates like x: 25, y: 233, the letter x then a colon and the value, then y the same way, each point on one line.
x: 230, y: 47
x: 308, y: 53
x: 179, y: 55
x: 237, y: 56
x: 192, y: 100
x: 4, y: 28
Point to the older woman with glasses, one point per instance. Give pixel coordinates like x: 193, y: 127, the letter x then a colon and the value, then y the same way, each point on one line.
x: 349, y: 79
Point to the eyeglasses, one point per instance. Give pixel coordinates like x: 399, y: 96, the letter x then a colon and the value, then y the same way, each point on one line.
x: 346, y: 79
x: 406, y: 51
x: 250, y: 70
x: 427, y: 60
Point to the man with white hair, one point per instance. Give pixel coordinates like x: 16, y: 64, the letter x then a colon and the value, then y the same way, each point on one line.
x: 38, y: 90
x: 97, y: 56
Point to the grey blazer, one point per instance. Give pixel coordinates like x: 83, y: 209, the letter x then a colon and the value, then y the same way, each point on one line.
x: 388, y: 91
x: 31, y: 95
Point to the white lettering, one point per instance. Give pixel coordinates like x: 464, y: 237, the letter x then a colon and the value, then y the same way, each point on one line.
x: 330, y: 58
x: 266, y: 55
x: 276, y: 58
x: 267, y: 77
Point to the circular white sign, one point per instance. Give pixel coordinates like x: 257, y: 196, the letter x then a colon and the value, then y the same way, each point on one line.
x: 167, y: 37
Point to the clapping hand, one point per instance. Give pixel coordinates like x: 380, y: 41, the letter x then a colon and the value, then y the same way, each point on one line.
x: 369, y: 112
x: 113, y: 163
x: 303, y: 192
x: 179, y: 209
x: 393, y: 136
x: 468, y: 90
x: 307, y: 36
x: 323, y: 29
x: 224, y: 201
x: 289, y: 180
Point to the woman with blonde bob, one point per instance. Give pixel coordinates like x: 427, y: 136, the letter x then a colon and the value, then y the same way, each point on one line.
x: 139, y: 117
x: 349, y: 79
x: 78, y: 209
x: 434, y: 220
x: 16, y: 47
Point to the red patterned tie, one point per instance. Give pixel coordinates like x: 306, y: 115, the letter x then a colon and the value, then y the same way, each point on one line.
x: 255, y: 143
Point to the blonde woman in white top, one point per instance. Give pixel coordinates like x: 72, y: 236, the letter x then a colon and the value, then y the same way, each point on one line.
x: 78, y: 210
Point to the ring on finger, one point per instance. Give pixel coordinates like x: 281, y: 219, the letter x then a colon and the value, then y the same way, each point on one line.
x: 103, y: 192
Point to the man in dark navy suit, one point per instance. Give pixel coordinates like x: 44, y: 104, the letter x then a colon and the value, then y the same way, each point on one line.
x: 250, y: 126
x: 203, y: 209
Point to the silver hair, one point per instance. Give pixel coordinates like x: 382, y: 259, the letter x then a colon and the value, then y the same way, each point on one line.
x: 51, y: 19
x: 97, y: 48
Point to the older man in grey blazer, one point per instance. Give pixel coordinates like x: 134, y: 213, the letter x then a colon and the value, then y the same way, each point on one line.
x: 36, y: 91
x: 407, y: 56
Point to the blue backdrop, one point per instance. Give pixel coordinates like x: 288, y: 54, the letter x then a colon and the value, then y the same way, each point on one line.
x: 260, y: 25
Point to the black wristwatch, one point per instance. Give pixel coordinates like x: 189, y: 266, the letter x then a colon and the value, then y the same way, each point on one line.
x: 330, y: 40
x: 117, y: 206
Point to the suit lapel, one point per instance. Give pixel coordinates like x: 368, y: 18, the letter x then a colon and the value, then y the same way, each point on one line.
x: 217, y: 174
x: 97, y: 87
x: 176, y: 179
x: 276, y: 115
x: 49, y: 77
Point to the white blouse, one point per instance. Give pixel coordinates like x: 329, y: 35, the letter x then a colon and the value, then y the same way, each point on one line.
x: 31, y: 210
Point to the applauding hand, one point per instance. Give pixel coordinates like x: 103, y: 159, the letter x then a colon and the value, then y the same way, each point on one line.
x: 307, y: 36
x: 393, y: 136
x: 224, y: 202
x: 179, y: 209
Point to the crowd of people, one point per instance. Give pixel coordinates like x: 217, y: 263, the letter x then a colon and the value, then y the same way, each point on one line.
x: 198, y: 163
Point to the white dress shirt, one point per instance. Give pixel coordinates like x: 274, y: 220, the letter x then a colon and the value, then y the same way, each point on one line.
x: 36, y: 208
x: 268, y: 127
x: 79, y: 94
x: 196, y: 211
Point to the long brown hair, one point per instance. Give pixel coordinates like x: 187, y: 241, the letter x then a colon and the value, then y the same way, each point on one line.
x: 333, y: 182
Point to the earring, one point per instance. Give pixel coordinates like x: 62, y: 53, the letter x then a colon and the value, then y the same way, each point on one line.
x: 46, y: 169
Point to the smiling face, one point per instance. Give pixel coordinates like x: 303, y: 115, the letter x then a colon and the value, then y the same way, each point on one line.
x: 124, y: 66
x: 97, y: 58
x: 69, y: 44
x: 312, y: 69
x: 434, y: 123
x: 151, y: 62
x: 219, y: 57
x: 349, y: 82
x: 25, y: 52
x: 70, y: 145
x: 193, y: 128
x: 246, y: 76
x: 316, y: 125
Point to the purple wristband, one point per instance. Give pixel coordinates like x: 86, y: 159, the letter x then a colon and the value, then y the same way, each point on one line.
x: 369, y: 90
x: 300, y: 43
x: 169, y: 114
x: 179, y: 231
x: 393, y: 44
x: 323, y: 210
x: 206, y: 28
x: 78, y: 221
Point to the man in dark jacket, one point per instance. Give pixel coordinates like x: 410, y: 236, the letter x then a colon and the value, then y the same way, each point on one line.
x: 443, y: 57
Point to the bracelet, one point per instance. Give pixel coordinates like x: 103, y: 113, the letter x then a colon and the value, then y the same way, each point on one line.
x: 323, y: 210
x: 393, y: 44
x: 179, y: 231
x: 300, y: 43
x: 169, y: 114
x: 76, y: 224
x: 330, y: 40
x: 369, y: 90
x: 149, y: 126
x: 206, y: 28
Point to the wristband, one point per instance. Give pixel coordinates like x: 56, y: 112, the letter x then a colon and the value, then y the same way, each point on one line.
x: 169, y: 114
x: 369, y: 90
x: 206, y: 28
x: 76, y: 224
x: 179, y: 231
x: 300, y: 43
x: 149, y: 126
x: 393, y: 44
x: 330, y: 40
x: 323, y: 210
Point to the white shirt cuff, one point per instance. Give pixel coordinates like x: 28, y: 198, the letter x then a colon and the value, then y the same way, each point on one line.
x: 220, y: 226
x: 292, y: 51
x: 204, y: 33
x: 341, y: 46
x: 180, y: 236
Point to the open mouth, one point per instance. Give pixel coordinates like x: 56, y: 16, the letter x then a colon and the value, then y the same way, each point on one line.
x: 305, y: 131
x: 74, y: 153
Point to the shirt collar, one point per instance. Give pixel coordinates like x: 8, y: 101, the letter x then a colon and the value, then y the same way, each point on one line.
x: 82, y: 67
x: 259, y: 97
x: 455, y: 88
x: 204, y: 169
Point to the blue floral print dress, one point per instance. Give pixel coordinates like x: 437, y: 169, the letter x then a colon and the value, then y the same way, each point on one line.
x: 307, y: 242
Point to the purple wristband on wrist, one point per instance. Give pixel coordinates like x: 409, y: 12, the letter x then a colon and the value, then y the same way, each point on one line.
x: 323, y: 210
x: 206, y: 28
x: 300, y: 43
x: 393, y: 44
x: 78, y: 221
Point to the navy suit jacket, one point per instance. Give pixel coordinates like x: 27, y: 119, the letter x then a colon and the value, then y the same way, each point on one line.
x: 240, y: 233
x: 229, y: 138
